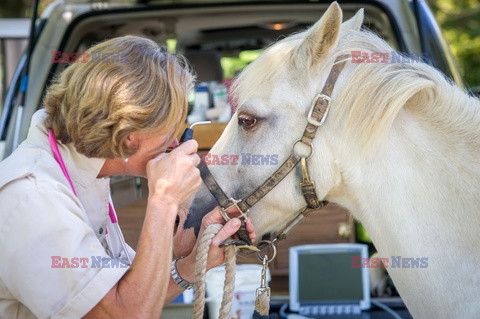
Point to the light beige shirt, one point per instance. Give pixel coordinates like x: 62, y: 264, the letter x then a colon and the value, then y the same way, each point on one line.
x: 45, y: 228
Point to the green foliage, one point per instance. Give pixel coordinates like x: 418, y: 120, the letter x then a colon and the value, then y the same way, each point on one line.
x: 460, y: 23
x: 232, y: 65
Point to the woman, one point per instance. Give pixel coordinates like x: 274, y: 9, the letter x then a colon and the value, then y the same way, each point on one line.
x: 61, y: 253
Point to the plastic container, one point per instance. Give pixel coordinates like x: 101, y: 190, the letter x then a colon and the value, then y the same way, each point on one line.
x: 201, y: 103
x: 220, y: 102
x: 247, y: 280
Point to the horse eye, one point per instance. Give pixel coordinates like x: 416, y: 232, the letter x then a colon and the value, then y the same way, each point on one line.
x: 247, y: 121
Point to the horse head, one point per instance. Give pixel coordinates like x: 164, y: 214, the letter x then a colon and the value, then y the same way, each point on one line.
x: 274, y: 94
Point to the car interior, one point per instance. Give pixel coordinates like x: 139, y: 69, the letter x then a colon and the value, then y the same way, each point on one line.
x: 209, y: 38
x: 218, y: 42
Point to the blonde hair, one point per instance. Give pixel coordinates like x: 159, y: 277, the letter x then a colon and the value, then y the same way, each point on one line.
x: 139, y: 88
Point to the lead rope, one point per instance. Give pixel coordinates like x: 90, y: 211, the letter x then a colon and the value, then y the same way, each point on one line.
x: 201, y: 270
x: 262, y: 302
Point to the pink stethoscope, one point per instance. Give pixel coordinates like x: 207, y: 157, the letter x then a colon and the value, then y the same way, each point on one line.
x: 111, y: 211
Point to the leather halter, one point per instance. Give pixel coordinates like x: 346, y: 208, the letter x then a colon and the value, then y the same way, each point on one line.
x: 316, y: 117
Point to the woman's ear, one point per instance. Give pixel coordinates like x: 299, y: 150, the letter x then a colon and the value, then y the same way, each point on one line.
x: 132, y: 141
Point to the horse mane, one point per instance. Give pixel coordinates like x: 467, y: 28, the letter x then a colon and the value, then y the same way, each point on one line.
x: 375, y: 93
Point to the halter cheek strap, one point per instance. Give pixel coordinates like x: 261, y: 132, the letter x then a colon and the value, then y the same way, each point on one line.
x: 316, y: 117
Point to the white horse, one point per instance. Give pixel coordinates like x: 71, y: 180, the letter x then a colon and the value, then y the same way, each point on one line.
x: 400, y: 148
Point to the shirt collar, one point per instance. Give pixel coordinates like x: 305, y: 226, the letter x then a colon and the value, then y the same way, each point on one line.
x: 82, y: 169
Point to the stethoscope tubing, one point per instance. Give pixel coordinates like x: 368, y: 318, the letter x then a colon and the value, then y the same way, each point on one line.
x: 111, y: 211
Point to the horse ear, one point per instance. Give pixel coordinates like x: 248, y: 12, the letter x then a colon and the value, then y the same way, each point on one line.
x: 355, y: 22
x: 322, y: 36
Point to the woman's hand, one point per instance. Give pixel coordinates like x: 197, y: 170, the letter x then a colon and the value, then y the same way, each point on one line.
x: 173, y: 178
x: 216, y: 254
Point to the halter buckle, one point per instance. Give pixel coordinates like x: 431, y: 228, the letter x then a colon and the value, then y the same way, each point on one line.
x: 234, y: 203
x: 310, y: 118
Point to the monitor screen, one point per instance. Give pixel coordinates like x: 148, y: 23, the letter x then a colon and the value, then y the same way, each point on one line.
x: 323, y: 274
x: 328, y: 277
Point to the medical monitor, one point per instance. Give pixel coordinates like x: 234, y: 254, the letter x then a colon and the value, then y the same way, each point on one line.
x: 325, y: 277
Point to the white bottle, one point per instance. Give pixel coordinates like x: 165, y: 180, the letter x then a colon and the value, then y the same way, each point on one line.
x: 200, y: 105
x: 221, y: 111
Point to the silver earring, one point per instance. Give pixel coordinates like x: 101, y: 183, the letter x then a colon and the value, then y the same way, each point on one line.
x: 125, y: 159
